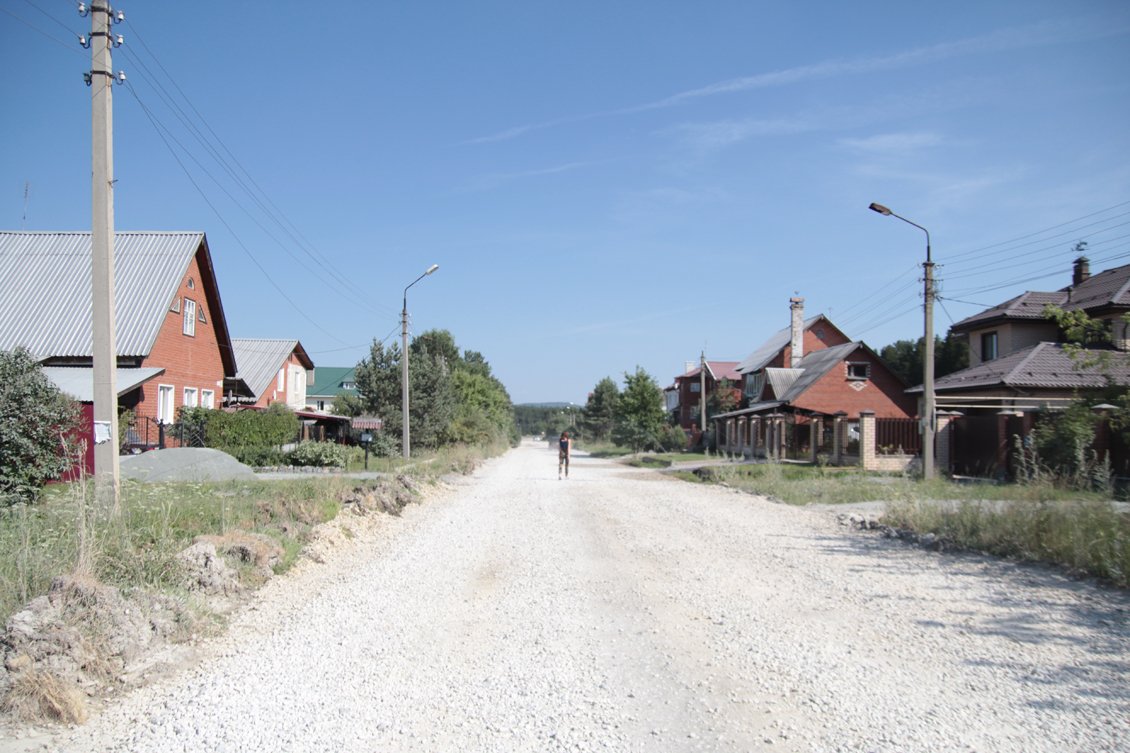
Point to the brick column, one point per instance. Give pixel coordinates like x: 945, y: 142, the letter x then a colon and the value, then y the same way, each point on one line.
x: 743, y: 427
x: 867, y: 456
x: 943, y: 445
x: 815, y: 437
x: 839, y: 438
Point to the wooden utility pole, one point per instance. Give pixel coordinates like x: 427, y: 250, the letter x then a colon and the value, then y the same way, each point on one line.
x: 101, y: 79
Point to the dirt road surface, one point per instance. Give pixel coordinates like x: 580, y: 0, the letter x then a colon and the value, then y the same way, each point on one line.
x: 619, y: 610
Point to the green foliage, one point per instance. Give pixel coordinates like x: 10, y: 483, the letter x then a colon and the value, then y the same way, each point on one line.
x: 639, y: 416
x: 453, y: 399
x: 251, y: 436
x: 599, y: 413
x: 318, y: 455
x: 37, y: 423
x: 906, y: 358
x: 1061, y: 440
x: 672, y: 438
x: 346, y: 404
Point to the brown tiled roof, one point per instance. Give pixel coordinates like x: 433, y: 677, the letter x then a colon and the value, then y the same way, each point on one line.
x: 1045, y: 365
x: 1111, y: 287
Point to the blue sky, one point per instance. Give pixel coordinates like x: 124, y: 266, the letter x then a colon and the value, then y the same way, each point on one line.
x: 603, y: 185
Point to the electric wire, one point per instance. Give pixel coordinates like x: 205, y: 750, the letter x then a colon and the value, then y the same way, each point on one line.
x: 301, y: 310
x: 69, y: 45
x: 258, y: 195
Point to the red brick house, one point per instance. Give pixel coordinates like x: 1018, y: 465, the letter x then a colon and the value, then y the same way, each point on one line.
x: 797, y: 383
x: 684, y: 397
x: 171, y: 334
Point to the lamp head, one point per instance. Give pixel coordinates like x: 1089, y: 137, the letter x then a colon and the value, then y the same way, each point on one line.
x: 880, y: 209
x: 431, y: 269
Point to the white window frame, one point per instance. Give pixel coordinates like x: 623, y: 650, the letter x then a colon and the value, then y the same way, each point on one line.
x: 191, y: 397
x: 208, y: 399
x: 280, y: 380
x: 189, y: 326
x: 166, y: 403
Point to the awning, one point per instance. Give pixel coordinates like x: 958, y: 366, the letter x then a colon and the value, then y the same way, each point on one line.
x: 369, y: 423
x: 78, y: 381
x: 755, y: 408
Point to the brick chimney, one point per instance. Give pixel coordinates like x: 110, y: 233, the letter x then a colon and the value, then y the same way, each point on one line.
x: 1082, y: 271
x: 796, y: 331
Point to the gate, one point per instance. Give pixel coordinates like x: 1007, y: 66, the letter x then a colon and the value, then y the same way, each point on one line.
x: 982, y: 444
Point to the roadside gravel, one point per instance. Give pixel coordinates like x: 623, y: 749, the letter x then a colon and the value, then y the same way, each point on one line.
x: 620, y: 610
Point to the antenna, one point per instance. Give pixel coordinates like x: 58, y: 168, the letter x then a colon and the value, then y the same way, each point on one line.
x: 27, y: 189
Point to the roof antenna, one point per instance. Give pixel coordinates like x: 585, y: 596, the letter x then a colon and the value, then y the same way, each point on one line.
x: 23, y: 221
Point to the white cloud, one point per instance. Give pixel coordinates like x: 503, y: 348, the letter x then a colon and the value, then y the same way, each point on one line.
x: 893, y: 143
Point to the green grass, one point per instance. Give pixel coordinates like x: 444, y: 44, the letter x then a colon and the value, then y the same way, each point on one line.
x: 1081, y: 531
x: 65, y: 533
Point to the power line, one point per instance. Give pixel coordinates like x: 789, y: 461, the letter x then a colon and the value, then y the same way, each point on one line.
x: 982, y: 249
x: 69, y: 45
x: 301, y: 311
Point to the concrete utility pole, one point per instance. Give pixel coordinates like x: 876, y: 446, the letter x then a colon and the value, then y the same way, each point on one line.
x: 929, y: 426
x: 100, y: 79
x: 702, y: 393
x: 405, y: 434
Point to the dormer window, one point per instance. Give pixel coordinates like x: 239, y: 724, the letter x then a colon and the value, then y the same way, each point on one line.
x: 858, y: 371
x: 989, y: 351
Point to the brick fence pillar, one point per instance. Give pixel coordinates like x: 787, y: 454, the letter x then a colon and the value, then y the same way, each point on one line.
x: 867, y: 456
x: 943, y: 445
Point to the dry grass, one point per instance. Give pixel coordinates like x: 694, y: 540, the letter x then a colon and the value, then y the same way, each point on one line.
x: 35, y: 695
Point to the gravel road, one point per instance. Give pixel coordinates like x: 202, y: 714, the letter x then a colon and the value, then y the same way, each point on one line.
x: 619, y: 610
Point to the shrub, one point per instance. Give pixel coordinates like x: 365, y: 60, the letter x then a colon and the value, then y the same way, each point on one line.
x: 37, y: 421
x: 672, y: 439
x: 318, y: 454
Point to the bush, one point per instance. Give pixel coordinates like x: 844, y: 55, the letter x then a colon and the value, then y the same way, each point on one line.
x: 319, y: 454
x: 672, y: 439
x: 37, y: 422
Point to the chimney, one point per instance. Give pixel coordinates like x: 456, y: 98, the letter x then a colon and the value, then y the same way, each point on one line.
x: 688, y: 366
x: 796, y: 328
x: 1082, y: 271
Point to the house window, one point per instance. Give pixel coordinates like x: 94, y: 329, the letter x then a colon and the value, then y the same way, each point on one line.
x: 989, y: 346
x: 164, y: 403
x: 348, y: 385
x: 695, y: 386
x: 207, y: 399
x: 754, y: 384
x: 190, y: 394
x: 189, y: 317
x: 321, y: 404
x: 280, y: 381
x: 200, y: 315
x: 191, y: 284
x: 858, y: 370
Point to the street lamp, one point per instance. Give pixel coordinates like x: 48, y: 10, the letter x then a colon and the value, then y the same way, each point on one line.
x: 406, y: 451
x: 928, y: 426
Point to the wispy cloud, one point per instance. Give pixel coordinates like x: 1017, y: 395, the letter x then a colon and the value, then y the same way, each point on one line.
x: 1044, y: 34
x: 494, y: 180
x: 893, y: 143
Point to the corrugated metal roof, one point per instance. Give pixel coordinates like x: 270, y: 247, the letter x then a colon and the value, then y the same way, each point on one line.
x: 771, y: 347
x: 780, y: 380
x: 49, y: 273
x: 258, y: 361
x: 328, y: 381
x: 1109, y: 287
x: 78, y: 381
x: 816, y: 364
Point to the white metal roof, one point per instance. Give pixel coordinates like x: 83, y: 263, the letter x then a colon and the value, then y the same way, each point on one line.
x: 46, y: 297
x: 78, y: 381
x: 259, y: 361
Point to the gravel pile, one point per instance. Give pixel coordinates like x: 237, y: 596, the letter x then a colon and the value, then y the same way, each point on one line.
x: 184, y: 464
x: 618, y: 610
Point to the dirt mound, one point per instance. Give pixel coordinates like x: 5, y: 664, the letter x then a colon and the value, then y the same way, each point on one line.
x: 78, y: 640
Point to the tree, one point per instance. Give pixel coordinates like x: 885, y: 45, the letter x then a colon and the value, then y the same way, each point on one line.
x: 639, y: 412
x: 599, y: 412
x: 378, y: 385
x: 905, y: 357
x: 36, y: 423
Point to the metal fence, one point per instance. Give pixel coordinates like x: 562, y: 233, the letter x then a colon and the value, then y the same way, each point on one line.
x: 897, y: 435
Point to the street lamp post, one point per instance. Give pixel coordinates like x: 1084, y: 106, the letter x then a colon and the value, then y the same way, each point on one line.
x: 928, y: 425
x: 404, y: 435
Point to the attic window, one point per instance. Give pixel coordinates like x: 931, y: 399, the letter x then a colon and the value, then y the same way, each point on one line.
x: 200, y: 315
x: 189, y: 317
x: 819, y: 332
x: 858, y: 370
x: 175, y: 307
x: 191, y: 284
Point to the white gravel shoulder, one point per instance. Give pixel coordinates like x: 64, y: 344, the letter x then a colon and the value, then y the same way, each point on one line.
x: 620, y: 610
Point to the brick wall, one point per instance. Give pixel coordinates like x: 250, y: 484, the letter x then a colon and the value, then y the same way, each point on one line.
x: 189, y: 361
x: 881, y: 392
x: 289, y: 390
